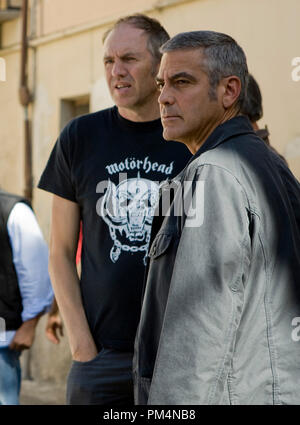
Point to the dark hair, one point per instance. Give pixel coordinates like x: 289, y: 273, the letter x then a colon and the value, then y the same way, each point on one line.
x: 252, y: 106
x: 222, y: 56
x: 157, y: 35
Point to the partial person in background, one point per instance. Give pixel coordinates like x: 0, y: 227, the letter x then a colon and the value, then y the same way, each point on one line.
x: 25, y: 288
x: 105, y: 170
x: 253, y: 109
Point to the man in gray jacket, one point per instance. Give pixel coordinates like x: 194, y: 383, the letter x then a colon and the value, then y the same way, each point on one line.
x: 222, y: 297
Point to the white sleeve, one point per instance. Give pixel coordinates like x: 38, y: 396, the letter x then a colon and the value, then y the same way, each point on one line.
x: 30, y: 257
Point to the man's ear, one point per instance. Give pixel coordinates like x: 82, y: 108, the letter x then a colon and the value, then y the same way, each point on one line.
x: 231, y: 90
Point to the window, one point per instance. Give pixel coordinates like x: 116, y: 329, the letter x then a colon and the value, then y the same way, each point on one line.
x: 73, y: 107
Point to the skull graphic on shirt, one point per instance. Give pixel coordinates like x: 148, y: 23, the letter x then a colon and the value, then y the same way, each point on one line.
x: 128, y: 210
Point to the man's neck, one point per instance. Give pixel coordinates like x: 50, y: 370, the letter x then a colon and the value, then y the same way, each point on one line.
x: 142, y: 114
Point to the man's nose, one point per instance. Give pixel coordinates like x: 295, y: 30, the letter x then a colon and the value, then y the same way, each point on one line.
x: 118, y: 69
x: 166, y: 97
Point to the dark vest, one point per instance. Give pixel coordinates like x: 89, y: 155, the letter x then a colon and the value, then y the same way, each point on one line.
x: 10, y: 297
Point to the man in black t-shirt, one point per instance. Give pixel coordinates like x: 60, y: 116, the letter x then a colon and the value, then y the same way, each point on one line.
x: 105, y: 170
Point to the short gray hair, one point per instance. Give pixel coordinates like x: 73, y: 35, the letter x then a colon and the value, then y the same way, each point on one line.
x: 222, y: 56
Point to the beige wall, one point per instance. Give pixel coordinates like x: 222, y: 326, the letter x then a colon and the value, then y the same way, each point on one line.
x: 11, y: 128
x: 65, y: 62
x: 55, y: 14
x: 11, y: 32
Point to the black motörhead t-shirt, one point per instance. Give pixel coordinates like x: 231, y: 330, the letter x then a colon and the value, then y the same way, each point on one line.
x: 112, y: 168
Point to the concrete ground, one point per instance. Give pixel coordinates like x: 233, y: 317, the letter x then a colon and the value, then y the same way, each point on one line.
x: 37, y: 393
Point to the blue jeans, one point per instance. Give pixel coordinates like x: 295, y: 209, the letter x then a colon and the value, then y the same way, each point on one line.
x: 10, y: 376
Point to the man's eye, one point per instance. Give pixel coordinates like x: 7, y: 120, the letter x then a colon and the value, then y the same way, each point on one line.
x: 108, y: 61
x: 159, y: 86
x: 181, y: 82
x: 130, y: 59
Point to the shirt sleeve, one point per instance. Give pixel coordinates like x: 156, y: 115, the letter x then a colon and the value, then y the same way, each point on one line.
x: 30, y: 257
x: 205, y: 300
x: 57, y: 176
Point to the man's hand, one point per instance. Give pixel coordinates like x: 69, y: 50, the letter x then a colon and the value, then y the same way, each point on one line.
x: 85, y: 354
x: 24, y: 336
x: 54, y: 324
x: 54, y: 328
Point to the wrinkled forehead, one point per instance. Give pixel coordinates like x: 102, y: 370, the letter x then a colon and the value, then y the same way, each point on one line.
x: 125, y: 38
x: 185, y: 61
